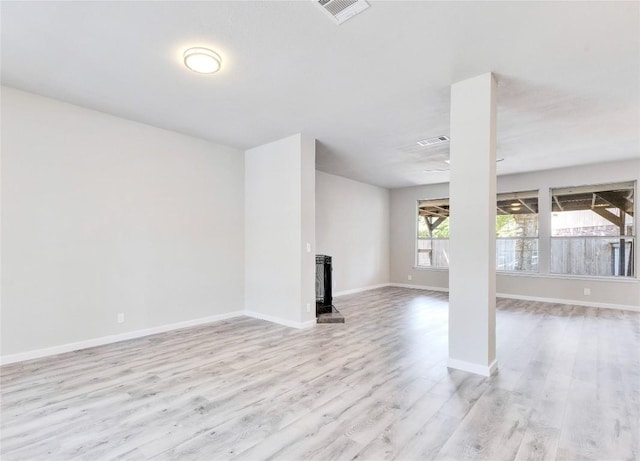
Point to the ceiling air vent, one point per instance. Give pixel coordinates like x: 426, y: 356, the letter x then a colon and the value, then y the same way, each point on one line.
x: 341, y: 10
x: 432, y: 141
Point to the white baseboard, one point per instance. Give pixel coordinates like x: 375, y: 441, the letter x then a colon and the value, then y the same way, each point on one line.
x: 69, y: 347
x: 308, y: 324
x: 419, y: 287
x: 483, y: 370
x: 76, y: 346
x: 359, y: 290
x: 278, y: 320
x: 38, y: 353
x: 573, y: 302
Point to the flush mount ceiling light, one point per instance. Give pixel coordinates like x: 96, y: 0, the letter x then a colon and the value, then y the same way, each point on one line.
x: 202, y: 60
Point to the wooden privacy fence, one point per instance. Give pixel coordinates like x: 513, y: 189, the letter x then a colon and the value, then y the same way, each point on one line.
x: 595, y: 256
x: 590, y: 256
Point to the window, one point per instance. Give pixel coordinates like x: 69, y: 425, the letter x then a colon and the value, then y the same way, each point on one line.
x: 517, y: 232
x: 433, y: 233
x: 592, y: 230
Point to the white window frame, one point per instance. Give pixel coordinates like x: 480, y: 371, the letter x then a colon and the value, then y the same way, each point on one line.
x: 417, y: 239
x: 520, y: 196
x: 555, y: 191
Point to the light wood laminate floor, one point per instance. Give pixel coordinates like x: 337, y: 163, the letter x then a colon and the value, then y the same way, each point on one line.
x: 374, y: 388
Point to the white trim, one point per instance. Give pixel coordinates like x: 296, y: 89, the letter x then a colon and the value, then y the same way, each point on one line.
x: 308, y: 324
x: 540, y: 275
x: 569, y: 302
x: 483, y: 370
x: 359, y: 290
x: 572, y: 302
x: 45, y: 352
x: 418, y: 287
x: 278, y: 320
x: 579, y: 278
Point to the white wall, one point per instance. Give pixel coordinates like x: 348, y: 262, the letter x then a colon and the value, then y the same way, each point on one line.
x: 102, y: 215
x: 279, y: 217
x: 604, y: 292
x: 352, y: 226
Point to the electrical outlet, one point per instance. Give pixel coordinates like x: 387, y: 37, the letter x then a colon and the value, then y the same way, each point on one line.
x: 121, y: 318
x: 308, y: 248
x: 587, y: 291
x: 409, y: 277
x: 308, y: 307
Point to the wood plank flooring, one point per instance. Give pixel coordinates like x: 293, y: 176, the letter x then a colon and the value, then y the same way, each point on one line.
x: 374, y: 388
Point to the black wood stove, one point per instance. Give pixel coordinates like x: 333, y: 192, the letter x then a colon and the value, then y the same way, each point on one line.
x: 324, y: 297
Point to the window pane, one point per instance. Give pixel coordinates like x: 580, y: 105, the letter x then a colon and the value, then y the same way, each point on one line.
x: 433, y: 252
x: 593, y: 210
x: 433, y: 233
x: 517, y: 254
x: 592, y: 229
x: 517, y: 231
x: 587, y: 222
x: 520, y: 225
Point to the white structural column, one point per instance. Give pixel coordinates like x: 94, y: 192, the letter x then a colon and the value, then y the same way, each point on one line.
x: 472, y: 277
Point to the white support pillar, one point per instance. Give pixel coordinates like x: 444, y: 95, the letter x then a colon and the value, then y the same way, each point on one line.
x: 472, y: 275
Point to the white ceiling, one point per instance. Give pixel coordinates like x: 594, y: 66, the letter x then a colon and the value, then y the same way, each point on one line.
x: 568, y: 75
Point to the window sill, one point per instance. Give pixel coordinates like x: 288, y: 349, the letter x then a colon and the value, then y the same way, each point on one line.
x: 584, y: 278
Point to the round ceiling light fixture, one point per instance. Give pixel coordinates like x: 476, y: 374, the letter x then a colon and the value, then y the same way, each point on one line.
x: 202, y: 60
